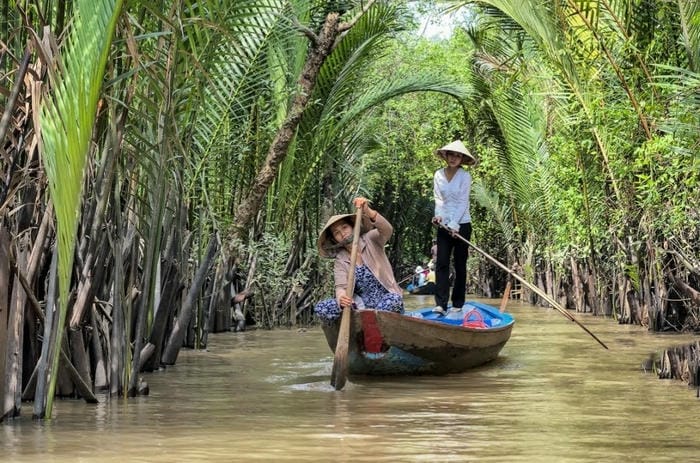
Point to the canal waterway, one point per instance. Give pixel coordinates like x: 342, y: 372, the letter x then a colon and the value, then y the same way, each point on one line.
x: 553, y: 395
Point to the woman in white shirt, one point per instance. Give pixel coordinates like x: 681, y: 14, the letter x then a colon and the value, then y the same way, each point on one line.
x: 451, y: 188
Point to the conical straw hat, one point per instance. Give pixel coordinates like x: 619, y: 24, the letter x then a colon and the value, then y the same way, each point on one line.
x: 457, y: 147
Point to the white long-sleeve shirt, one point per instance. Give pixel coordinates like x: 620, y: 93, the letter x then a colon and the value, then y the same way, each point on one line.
x: 452, y: 197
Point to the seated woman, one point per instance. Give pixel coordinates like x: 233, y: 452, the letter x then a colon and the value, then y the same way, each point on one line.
x: 430, y: 278
x: 375, y: 285
x: 420, y: 275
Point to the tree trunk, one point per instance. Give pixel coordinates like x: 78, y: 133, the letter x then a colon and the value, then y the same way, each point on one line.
x: 161, y: 321
x: 179, y: 331
x: 101, y: 380
x: 12, y: 398
x: 4, y: 301
x: 117, y: 344
x: 576, y: 286
x: 79, y: 354
x: 549, y: 279
x: 215, y: 301
x: 87, y: 284
x: 47, y: 346
x: 591, y: 290
x: 688, y: 291
x: 322, y: 47
x: 681, y: 363
x: 623, y: 288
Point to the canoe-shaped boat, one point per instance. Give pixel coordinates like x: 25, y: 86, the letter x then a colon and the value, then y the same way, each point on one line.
x: 425, y: 288
x: 421, y: 342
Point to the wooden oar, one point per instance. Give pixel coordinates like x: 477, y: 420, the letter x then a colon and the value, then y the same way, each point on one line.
x: 534, y: 288
x: 404, y: 280
x: 506, y: 296
x: 339, y: 374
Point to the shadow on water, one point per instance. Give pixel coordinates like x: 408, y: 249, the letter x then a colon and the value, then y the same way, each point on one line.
x: 553, y: 395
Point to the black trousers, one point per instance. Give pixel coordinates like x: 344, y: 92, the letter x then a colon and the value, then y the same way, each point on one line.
x: 449, y: 248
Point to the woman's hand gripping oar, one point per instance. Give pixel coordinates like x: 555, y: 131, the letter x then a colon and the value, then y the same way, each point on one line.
x: 534, y: 288
x: 339, y: 373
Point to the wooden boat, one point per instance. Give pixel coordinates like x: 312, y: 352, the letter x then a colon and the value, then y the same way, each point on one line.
x: 426, y: 288
x: 421, y: 342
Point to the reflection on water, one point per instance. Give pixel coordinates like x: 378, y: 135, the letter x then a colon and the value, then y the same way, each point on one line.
x: 553, y: 395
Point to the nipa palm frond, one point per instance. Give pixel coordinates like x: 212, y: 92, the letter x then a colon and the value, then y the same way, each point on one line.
x: 243, y: 65
x: 690, y: 22
x: 67, y: 118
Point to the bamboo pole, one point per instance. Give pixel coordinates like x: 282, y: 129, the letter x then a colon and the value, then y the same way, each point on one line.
x: 534, y: 288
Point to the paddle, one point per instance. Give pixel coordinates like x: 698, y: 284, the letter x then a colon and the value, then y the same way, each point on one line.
x: 506, y: 296
x: 340, y: 361
x: 404, y: 280
x: 534, y: 288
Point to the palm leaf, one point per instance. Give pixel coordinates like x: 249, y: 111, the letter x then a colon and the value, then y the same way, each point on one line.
x: 332, y: 135
x: 542, y: 23
x: 501, y: 213
x: 245, y: 58
x: 67, y: 120
x: 525, y: 159
x: 690, y: 24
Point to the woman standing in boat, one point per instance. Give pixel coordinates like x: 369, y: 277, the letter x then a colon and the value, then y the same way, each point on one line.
x: 451, y: 189
x: 375, y: 285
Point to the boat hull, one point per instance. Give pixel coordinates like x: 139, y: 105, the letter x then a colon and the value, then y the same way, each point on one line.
x: 427, y: 288
x: 387, y: 344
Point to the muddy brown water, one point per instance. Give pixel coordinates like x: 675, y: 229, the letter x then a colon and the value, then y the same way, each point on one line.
x: 553, y: 395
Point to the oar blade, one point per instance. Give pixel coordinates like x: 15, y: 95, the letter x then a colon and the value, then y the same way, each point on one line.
x: 339, y: 374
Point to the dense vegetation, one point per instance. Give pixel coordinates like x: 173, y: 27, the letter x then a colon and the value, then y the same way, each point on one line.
x: 166, y: 165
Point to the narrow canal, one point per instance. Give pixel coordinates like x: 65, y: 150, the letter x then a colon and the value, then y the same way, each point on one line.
x: 553, y: 395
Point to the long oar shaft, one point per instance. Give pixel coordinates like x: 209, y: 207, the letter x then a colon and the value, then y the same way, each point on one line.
x: 534, y: 288
x: 339, y: 372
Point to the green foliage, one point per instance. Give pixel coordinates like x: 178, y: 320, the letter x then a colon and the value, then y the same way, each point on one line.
x: 585, y: 120
x: 67, y: 121
x: 273, y: 279
x: 578, y: 148
x: 583, y: 115
x: 398, y: 173
x: 666, y: 185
